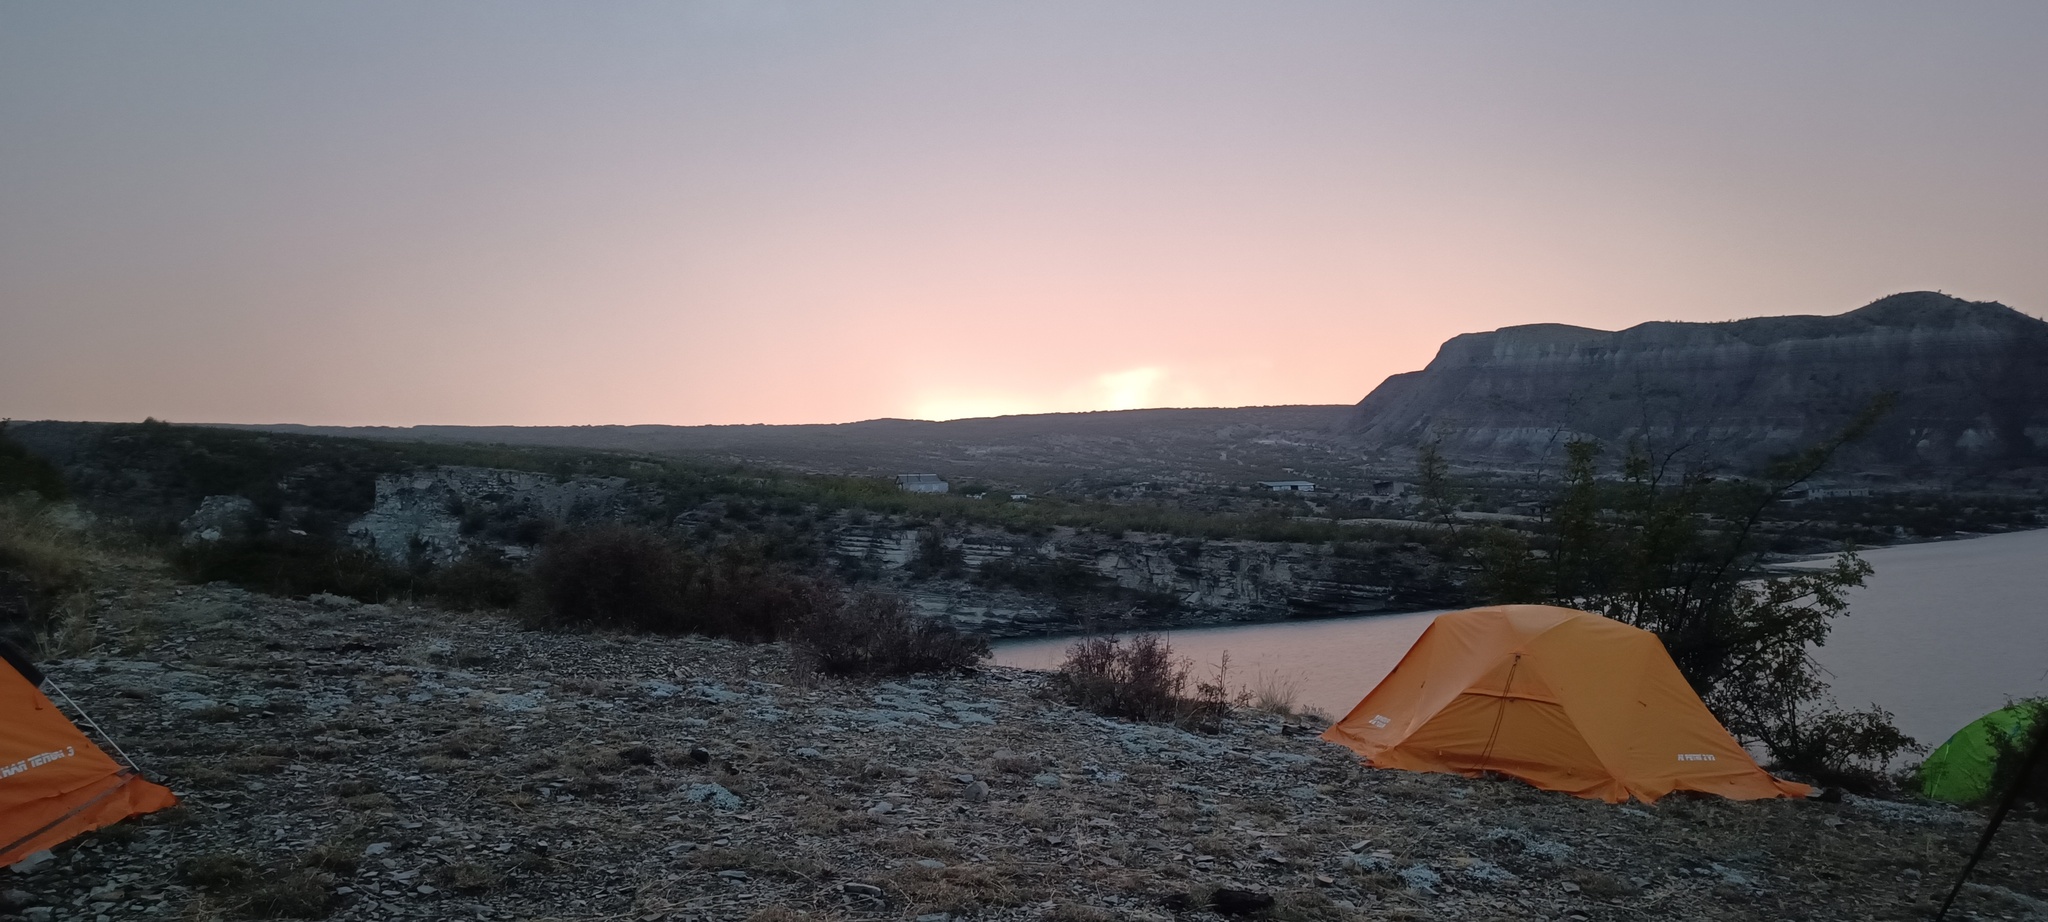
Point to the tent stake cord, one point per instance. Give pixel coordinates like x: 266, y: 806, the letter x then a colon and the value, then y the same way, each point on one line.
x: 93, y: 723
x: 2005, y: 802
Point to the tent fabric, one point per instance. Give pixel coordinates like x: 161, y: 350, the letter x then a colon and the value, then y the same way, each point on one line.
x: 1562, y: 699
x: 1959, y: 771
x: 54, y: 783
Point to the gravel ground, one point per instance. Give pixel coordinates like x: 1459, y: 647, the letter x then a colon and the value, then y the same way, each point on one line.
x: 372, y: 762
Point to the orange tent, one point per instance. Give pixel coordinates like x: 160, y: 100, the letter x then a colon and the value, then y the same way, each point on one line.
x: 1565, y: 700
x: 54, y: 783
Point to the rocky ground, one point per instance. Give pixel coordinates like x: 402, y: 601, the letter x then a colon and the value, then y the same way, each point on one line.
x: 373, y: 762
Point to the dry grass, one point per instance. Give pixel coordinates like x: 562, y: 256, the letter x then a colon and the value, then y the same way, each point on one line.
x: 468, y: 877
x: 786, y: 914
x: 1071, y: 912
x: 964, y: 889
x: 831, y: 817
x: 46, y: 567
x: 237, y: 887
x: 758, y: 861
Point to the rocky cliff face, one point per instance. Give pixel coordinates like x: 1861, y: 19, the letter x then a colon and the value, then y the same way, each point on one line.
x: 441, y: 514
x: 1970, y: 379
x: 1200, y: 582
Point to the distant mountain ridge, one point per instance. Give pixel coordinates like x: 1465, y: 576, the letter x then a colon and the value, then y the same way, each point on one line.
x: 1970, y: 379
x: 1041, y: 450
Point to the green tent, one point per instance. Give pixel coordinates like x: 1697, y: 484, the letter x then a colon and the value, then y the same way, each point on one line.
x: 1960, y: 770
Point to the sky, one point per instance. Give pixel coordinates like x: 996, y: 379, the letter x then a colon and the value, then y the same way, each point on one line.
x: 765, y: 212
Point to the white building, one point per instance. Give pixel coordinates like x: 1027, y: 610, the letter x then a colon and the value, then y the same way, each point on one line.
x: 921, y: 483
x: 1288, y: 486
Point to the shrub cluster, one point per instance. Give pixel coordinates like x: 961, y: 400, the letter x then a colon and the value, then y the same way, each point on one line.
x: 284, y: 564
x: 1141, y: 679
x: 21, y: 472
x: 293, y: 565
x: 43, y: 579
x: 628, y: 577
x: 876, y: 633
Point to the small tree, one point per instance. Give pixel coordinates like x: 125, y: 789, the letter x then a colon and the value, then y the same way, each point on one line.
x: 1680, y: 553
x: 1433, y: 483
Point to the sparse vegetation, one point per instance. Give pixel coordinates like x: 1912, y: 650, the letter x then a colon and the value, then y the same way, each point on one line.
x: 876, y: 634
x: 1141, y: 679
x: 1680, y: 554
x: 45, y: 575
x: 628, y: 577
x: 293, y: 565
x: 24, y: 473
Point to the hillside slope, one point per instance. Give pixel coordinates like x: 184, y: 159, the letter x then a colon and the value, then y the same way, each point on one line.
x: 388, y: 763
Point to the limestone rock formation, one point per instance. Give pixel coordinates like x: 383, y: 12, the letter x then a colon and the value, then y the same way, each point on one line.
x: 438, y: 513
x: 1970, y: 380
x: 220, y: 518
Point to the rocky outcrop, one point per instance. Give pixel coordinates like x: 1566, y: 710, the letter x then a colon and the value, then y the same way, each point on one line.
x: 441, y: 513
x: 1970, y: 379
x: 220, y: 518
x: 1154, y: 580
x: 1149, y: 580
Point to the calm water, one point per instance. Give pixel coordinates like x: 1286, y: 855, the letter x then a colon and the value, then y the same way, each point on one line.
x: 1943, y: 633
x: 1946, y: 632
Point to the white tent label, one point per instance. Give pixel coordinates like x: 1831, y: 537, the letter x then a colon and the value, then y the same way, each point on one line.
x: 41, y: 758
x: 1696, y: 757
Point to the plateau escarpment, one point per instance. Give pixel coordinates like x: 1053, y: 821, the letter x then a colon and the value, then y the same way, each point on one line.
x: 1969, y: 381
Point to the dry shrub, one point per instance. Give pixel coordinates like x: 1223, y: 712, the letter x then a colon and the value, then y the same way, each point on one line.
x: 758, y: 861
x: 876, y: 634
x: 629, y: 577
x: 468, y: 877
x: 254, y: 892
x: 1142, y: 679
x: 45, y: 606
x: 963, y: 889
x: 1139, y: 679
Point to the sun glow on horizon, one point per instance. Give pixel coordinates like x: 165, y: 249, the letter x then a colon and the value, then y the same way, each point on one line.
x: 1143, y: 387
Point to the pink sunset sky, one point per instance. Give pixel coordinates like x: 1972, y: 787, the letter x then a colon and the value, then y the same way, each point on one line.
x: 739, y: 212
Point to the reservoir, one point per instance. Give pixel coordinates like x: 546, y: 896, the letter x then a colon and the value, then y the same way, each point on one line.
x: 1941, y: 634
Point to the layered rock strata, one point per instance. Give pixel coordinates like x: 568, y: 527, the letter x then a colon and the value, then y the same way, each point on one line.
x: 1969, y: 381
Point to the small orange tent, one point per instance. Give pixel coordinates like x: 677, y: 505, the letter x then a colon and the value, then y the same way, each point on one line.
x: 1565, y: 700
x: 54, y: 783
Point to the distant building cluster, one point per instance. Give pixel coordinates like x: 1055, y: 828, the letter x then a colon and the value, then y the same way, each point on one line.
x: 1289, y: 486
